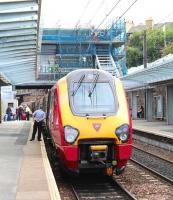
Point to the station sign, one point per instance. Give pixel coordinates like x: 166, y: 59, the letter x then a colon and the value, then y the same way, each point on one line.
x: 7, y: 93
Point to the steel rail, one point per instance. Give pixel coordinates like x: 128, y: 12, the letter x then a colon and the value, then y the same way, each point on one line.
x: 153, y: 171
x: 154, y: 155
x: 112, y: 181
x: 124, y: 189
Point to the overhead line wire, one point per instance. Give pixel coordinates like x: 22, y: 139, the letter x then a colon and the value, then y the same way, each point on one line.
x: 108, y: 13
x: 126, y: 11
x: 163, y: 23
x: 101, y: 4
x: 165, y: 17
x: 85, y: 8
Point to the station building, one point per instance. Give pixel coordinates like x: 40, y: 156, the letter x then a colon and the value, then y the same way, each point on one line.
x: 153, y: 89
x: 4, y: 95
x: 64, y: 50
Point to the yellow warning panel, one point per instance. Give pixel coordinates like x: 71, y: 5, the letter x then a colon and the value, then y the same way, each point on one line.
x: 98, y: 147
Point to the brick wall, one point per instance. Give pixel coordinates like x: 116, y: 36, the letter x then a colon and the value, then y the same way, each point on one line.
x: 33, y: 98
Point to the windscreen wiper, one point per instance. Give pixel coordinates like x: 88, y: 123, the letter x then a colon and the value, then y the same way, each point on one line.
x: 78, y: 84
x: 94, y: 84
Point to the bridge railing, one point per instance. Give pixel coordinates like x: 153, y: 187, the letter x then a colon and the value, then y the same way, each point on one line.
x: 116, y: 32
x: 52, y: 76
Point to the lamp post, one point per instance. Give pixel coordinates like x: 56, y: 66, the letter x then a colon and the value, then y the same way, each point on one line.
x: 164, y: 34
x: 0, y: 106
x: 145, y: 49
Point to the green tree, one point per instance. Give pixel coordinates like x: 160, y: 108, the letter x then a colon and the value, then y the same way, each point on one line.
x: 169, y: 34
x: 135, y: 40
x: 155, y: 42
x: 168, y: 40
x: 167, y: 50
x: 134, y: 50
x: 134, y: 57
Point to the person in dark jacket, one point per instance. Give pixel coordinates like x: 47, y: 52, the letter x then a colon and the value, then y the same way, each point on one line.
x: 9, y: 113
x: 140, y: 112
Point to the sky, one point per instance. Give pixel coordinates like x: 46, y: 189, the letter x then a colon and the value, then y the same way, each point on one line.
x: 82, y: 13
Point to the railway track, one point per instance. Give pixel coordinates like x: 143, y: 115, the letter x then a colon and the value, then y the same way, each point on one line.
x: 157, y: 165
x: 87, y: 187
x: 153, y: 154
x: 140, y: 182
x: 145, y: 184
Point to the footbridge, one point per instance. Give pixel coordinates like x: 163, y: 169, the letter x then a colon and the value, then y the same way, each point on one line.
x: 35, y: 58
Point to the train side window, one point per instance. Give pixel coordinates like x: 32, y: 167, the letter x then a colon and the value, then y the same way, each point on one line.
x: 51, y: 107
x: 55, y: 112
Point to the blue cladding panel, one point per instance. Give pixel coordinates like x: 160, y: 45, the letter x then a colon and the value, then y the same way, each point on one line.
x: 83, y: 44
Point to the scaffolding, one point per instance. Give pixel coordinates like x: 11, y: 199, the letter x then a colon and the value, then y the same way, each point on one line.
x: 64, y: 50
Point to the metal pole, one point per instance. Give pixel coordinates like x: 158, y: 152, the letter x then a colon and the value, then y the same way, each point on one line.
x: 0, y: 107
x: 164, y: 34
x: 145, y: 49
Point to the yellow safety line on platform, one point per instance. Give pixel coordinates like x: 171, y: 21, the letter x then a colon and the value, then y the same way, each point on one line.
x: 54, y: 192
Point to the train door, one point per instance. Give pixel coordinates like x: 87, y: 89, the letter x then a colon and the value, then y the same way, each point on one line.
x: 55, y: 121
x: 48, y: 109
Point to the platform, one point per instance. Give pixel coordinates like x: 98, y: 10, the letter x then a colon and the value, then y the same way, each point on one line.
x: 25, y: 171
x: 156, y: 127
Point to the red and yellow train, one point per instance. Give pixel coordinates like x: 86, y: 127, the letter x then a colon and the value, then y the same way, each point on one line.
x: 89, y: 122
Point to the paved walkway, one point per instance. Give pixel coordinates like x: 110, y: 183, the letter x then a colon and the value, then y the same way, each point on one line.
x: 25, y: 171
x: 12, y: 141
x: 156, y: 127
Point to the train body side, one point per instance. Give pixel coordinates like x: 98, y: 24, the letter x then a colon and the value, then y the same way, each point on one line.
x: 97, y: 134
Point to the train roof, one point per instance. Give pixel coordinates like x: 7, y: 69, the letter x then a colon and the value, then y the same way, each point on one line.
x: 89, y: 75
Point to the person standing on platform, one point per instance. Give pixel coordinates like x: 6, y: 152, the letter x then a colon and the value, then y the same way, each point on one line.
x: 9, y: 113
x: 28, y: 112
x: 38, y: 116
x: 19, y: 112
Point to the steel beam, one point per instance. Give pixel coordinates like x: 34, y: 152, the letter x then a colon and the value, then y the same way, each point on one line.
x: 18, y: 48
x: 6, y: 39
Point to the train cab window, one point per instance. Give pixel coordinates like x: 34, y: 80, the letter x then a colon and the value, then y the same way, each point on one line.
x: 99, y: 99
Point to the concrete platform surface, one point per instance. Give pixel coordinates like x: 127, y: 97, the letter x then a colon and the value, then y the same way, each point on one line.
x: 25, y: 171
x: 156, y: 127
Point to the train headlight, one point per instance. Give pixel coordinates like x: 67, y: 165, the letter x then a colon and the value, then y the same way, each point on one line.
x: 123, y: 132
x: 70, y: 134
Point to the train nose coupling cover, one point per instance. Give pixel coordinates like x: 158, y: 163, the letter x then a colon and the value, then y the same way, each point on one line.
x: 98, y: 152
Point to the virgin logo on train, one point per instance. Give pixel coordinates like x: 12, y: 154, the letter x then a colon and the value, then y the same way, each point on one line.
x: 97, y: 126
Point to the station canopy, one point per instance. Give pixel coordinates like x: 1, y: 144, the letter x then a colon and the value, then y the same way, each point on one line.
x: 19, y: 30
x: 4, y: 80
x: 160, y: 71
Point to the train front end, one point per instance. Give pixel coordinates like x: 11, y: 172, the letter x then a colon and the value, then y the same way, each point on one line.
x: 96, y: 130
